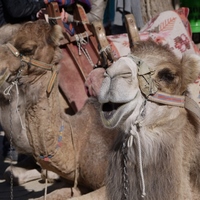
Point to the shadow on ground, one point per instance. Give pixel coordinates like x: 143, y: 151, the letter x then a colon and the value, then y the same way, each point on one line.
x: 30, y: 190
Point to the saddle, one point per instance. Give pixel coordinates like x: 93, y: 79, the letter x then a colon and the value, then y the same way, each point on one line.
x: 81, y: 53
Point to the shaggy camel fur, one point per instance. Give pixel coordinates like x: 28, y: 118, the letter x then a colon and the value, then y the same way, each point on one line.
x: 19, y: 140
x: 75, y: 147
x: 157, y: 151
x: 27, y: 169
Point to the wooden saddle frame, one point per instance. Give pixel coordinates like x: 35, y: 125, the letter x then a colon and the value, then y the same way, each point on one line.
x: 98, y: 49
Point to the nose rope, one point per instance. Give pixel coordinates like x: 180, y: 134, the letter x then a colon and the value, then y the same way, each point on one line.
x: 7, y: 93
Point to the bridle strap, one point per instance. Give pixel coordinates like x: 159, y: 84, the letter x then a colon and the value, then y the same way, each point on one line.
x: 144, y: 73
x: 192, y: 106
x: 150, y: 91
x: 164, y: 98
x: 28, y: 60
x: 36, y: 63
x: 52, y: 81
x: 176, y: 100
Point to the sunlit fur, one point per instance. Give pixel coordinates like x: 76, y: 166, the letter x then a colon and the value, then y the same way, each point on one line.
x: 169, y: 135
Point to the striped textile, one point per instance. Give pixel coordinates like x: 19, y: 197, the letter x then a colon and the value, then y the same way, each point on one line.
x: 85, y: 3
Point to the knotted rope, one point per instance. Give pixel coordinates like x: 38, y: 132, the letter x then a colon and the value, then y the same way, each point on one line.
x: 7, y: 93
x: 81, y: 43
x: 134, y: 133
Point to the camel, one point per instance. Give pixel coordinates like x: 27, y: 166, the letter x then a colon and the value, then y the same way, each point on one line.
x: 35, y: 93
x: 23, y: 146
x: 75, y: 147
x: 156, y: 154
x: 26, y: 170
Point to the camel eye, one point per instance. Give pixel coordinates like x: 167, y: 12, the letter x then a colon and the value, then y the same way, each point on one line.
x: 28, y: 51
x: 2, y: 71
x: 166, y: 75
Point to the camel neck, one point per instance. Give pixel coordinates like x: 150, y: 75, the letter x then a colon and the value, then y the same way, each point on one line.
x: 49, y: 135
x: 44, y: 120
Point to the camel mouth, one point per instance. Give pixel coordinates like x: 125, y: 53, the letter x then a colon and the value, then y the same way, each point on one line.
x: 114, y: 113
x: 110, y: 108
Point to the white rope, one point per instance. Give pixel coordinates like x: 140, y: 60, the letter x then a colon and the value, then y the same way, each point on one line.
x: 46, y: 182
x: 105, y: 49
x: 80, y: 43
x: 134, y: 133
x: 51, y: 18
x: 7, y: 93
x: 8, y: 89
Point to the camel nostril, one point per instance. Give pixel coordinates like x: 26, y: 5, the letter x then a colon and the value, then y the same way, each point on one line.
x: 2, y: 71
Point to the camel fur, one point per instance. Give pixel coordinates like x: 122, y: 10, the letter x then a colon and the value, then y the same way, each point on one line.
x: 27, y: 169
x: 157, y: 152
x: 75, y: 147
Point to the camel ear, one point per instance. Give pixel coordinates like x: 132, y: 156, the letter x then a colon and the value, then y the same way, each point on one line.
x: 190, y: 69
x: 56, y: 35
x: 7, y: 31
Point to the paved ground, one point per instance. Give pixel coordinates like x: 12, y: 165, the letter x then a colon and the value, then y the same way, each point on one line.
x: 28, y: 191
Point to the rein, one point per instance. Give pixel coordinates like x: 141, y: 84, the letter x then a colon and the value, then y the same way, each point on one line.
x: 36, y: 63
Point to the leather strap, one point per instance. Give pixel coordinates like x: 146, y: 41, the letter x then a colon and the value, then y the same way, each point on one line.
x: 167, y: 99
x: 192, y: 106
x: 176, y: 100
x: 133, y: 33
x: 26, y: 59
x: 36, y: 63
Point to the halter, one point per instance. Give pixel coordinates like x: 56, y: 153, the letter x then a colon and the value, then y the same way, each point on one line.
x: 151, y: 93
x: 36, y: 63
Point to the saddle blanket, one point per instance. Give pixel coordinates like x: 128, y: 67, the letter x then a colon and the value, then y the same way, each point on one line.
x: 170, y: 28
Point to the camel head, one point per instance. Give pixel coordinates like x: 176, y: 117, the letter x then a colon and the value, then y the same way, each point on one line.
x: 132, y: 80
x: 30, y: 51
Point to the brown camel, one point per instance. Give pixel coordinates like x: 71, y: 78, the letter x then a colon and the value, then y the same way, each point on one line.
x: 21, y: 139
x: 27, y: 169
x: 75, y: 147
x: 157, y: 152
